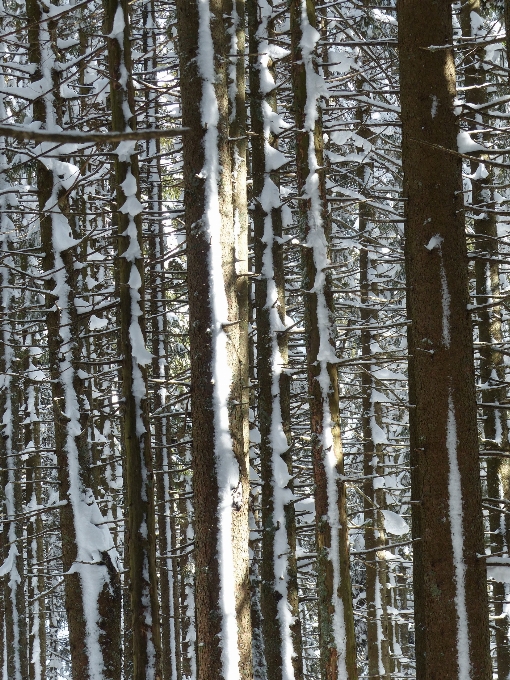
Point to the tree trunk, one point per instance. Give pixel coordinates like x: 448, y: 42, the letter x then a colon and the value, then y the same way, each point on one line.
x: 238, y: 147
x: 140, y: 510
x: 451, y: 615
x: 170, y: 649
x: 220, y: 474
x: 35, y: 545
x: 488, y: 320
x: 379, y: 635
x: 336, y: 623
x: 13, y: 567
x: 379, y: 631
x: 278, y: 572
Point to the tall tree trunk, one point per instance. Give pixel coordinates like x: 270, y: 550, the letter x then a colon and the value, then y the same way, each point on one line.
x: 492, y: 368
x: 278, y: 572
x: 92, y: 593
x: 451, y: 615
x: 13, y: 567
x: 379, y: 635
x: 35, y: 528
x: 379, y: 632
x: 336, y: 623
x: 170, y: 630
x: 12, y: 571
x: 238, y: 147
x: 220, y: 474
x: 140, y: 501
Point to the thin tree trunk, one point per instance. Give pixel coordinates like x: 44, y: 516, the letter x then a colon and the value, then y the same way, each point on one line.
x: 13, y: 567
x: 336, y: 623
x: 378, y: 629
x: 170, y: 631
x: 379, y: 633
x: 278, y: 572
x: 35, y: 545
x: 238, y: 148
x: 220, y: 474
x: 187, y: 590
x: 140, y: 503
x: 492, y: 368
x: 451, y: 615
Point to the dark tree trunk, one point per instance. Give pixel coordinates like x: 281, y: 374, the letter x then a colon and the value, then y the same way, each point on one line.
x: 451, y: 615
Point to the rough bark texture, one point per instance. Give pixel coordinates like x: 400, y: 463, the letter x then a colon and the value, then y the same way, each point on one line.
x: 488, y: 319
x: 327, y: 643
x: 205, y: 482
x: 140, y: 510
x: 269, y: 596
x: 238, y: 149
x: 449, y: 578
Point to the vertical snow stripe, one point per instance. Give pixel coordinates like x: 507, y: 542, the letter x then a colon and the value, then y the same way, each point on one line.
x: 317, y: 241
x: 457, y: 534
x: 226, y: 464
x: 269, y: 200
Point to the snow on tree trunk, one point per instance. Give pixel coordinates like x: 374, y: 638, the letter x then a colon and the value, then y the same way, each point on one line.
x: 451, y: 617
x: 141, y: 518
x: 13, y: 567
x: 89, y: 558
x: 278, y: 571
x: 336, y: 623
x: 219, y: 461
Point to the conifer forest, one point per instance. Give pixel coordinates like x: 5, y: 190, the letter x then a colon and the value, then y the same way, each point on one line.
x: 254, y: 339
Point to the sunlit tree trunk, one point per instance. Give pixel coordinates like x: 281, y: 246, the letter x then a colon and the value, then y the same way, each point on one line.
x: 336, y: 623
x: 278, y: 569
x: 238, y: 148
x: 220, y: 474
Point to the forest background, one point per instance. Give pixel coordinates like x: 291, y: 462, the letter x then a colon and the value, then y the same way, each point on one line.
x: 255, y: 341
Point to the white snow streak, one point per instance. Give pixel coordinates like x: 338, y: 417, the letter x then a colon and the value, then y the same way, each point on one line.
x: 226, y: 465
x: 316, y: 240
x: 446, y: 306
x: 457, y: 535
x: 270, y: 199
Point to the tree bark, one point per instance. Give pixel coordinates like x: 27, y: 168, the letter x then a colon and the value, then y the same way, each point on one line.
x: 238, y: 149
x: 220, y: 474
x: 336, y: 623
x: 451, y: 615
x: 140, y: 510
x: 278, y: 572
